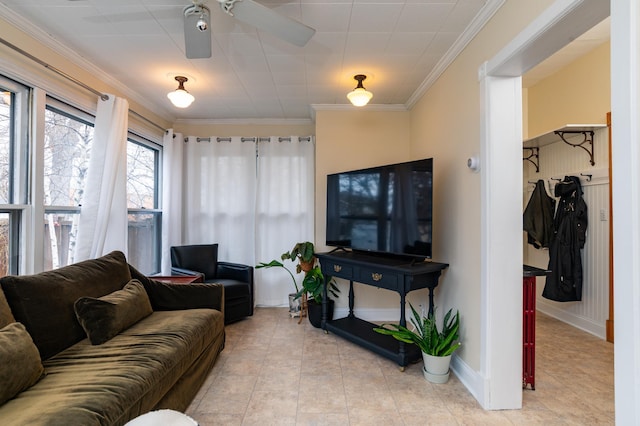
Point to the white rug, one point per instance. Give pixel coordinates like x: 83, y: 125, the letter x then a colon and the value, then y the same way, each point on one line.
x: 163, y: 418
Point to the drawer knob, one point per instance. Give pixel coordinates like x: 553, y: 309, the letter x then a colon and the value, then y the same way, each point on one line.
x: 337, y: 268
x: 376, y: 276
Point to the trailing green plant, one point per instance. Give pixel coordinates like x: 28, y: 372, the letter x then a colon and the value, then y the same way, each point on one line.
x: 276, y: 264
x: 426, y: 334
x: 313, y: 283
x: 301, y: 252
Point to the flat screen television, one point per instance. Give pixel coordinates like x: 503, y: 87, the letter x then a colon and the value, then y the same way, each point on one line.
x: 384, y: 210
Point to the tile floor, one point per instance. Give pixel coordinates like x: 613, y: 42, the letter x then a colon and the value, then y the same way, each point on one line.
x: 274, y: 371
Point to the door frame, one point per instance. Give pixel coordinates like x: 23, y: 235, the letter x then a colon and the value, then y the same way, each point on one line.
x: 501, y: 209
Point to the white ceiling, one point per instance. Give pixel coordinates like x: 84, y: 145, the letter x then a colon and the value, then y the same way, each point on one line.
x: 401, y: 45
x: 253, y: 74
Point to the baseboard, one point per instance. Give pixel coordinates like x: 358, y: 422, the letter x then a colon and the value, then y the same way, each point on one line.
x: 470, y: 378
x: 583, y: 323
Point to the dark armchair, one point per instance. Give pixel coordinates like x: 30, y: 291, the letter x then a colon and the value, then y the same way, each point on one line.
x: 236, y: 278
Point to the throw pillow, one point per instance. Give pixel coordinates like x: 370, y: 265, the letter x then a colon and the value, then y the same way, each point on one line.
x: 43, y: 302
x: 6, y: 317
x: 21, y: 366
x: 105, y: 317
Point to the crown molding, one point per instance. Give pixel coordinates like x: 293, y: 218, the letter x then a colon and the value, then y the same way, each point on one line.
x: 368, y: 107
x: 480, y: 20
x: 245, y: 121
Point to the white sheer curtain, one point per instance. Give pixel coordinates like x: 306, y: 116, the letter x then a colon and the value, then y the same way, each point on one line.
x: 102, y: 226
x: 284, y: 210
x: 219, y: 186
x: 172, y: 149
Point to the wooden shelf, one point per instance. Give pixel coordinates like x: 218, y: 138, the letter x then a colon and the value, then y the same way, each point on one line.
x: 552, y: 137
x: 575, y: 135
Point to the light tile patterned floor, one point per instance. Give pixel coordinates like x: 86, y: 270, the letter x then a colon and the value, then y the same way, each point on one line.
x: 274, y: 371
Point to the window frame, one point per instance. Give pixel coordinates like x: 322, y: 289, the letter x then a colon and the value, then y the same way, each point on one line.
x: 156, y: 211
x: 19, y: 172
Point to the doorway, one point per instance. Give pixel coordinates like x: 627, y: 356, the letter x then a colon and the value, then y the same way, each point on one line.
x: 501, y: 118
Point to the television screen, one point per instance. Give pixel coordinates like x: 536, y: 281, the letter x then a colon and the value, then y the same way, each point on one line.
x: 385, y: 209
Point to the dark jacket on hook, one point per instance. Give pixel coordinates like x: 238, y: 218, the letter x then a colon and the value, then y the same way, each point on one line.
x: 564, y: 283
x: 538, y: 217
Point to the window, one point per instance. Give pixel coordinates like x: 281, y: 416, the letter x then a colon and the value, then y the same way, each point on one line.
x: 142, y: 199
x: 14, y: 118
x: 68, y: 139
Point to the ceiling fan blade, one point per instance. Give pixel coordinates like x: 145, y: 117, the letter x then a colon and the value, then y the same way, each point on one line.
x: 197, y: 41
x: 263, y: 18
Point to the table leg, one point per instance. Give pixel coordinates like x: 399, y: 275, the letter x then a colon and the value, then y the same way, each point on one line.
x: 351, y: 315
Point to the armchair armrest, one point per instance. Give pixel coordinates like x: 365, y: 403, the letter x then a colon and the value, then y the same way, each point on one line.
x: 170, y: 296
x: 183, y: 271
x: 235, y: 271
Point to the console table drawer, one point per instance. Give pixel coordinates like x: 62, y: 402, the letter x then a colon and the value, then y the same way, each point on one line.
x: 336, y: 269
x: 378, y: 278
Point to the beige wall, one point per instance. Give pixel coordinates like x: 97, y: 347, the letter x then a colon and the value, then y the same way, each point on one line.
x: 445, y: 125
x: 579, y: 93
x: 352, y: 139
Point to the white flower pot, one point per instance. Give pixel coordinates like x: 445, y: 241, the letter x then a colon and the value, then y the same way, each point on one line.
x: 294, y: 305
x: 436, y: 368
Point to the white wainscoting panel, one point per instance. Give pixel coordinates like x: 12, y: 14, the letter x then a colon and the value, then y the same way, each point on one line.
x: 556, y: 161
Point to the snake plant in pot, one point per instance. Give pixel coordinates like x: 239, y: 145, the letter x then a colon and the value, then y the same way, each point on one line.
x: 436, y: 346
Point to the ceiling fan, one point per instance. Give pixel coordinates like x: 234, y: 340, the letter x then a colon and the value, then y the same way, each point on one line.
x: 197, y: 33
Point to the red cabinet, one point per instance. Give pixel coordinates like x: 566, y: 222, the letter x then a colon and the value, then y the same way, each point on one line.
x: 529, y: 324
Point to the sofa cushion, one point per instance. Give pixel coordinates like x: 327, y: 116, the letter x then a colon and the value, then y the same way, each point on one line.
x: 127, y: 376
x: 6, y: 317
x: 21, y: 366
x: 44, y: 302
x: 108, y: 315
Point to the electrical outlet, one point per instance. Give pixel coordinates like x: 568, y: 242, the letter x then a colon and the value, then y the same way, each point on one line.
x: 603, y: 215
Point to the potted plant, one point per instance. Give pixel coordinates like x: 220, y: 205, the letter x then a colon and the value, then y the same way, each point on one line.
x: 436, y: 346
x: 303, y: 253
x: 312, y: 288
x: 294, y: 302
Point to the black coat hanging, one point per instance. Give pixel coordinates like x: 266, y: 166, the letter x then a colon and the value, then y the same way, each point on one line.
x: 538, y: 217
x: 564, y: 283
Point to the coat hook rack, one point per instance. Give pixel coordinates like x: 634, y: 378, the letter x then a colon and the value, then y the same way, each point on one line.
x: 587, y: 176
x: 533, y: 157
x: 556, y: 179
x: 587, y: 140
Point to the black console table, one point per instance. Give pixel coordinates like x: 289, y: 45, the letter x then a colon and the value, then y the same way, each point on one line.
x: 396, y: 274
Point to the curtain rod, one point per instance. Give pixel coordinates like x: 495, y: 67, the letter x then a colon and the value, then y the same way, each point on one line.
x: 260, y: 139
x: 102, y: 96
x: 147, y: 120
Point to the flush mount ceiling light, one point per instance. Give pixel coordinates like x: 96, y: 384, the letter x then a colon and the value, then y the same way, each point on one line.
x: 180, y: 97
x: 359, y: 96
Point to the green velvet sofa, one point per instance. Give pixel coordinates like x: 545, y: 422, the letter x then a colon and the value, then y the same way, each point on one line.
x: 98, y: 343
